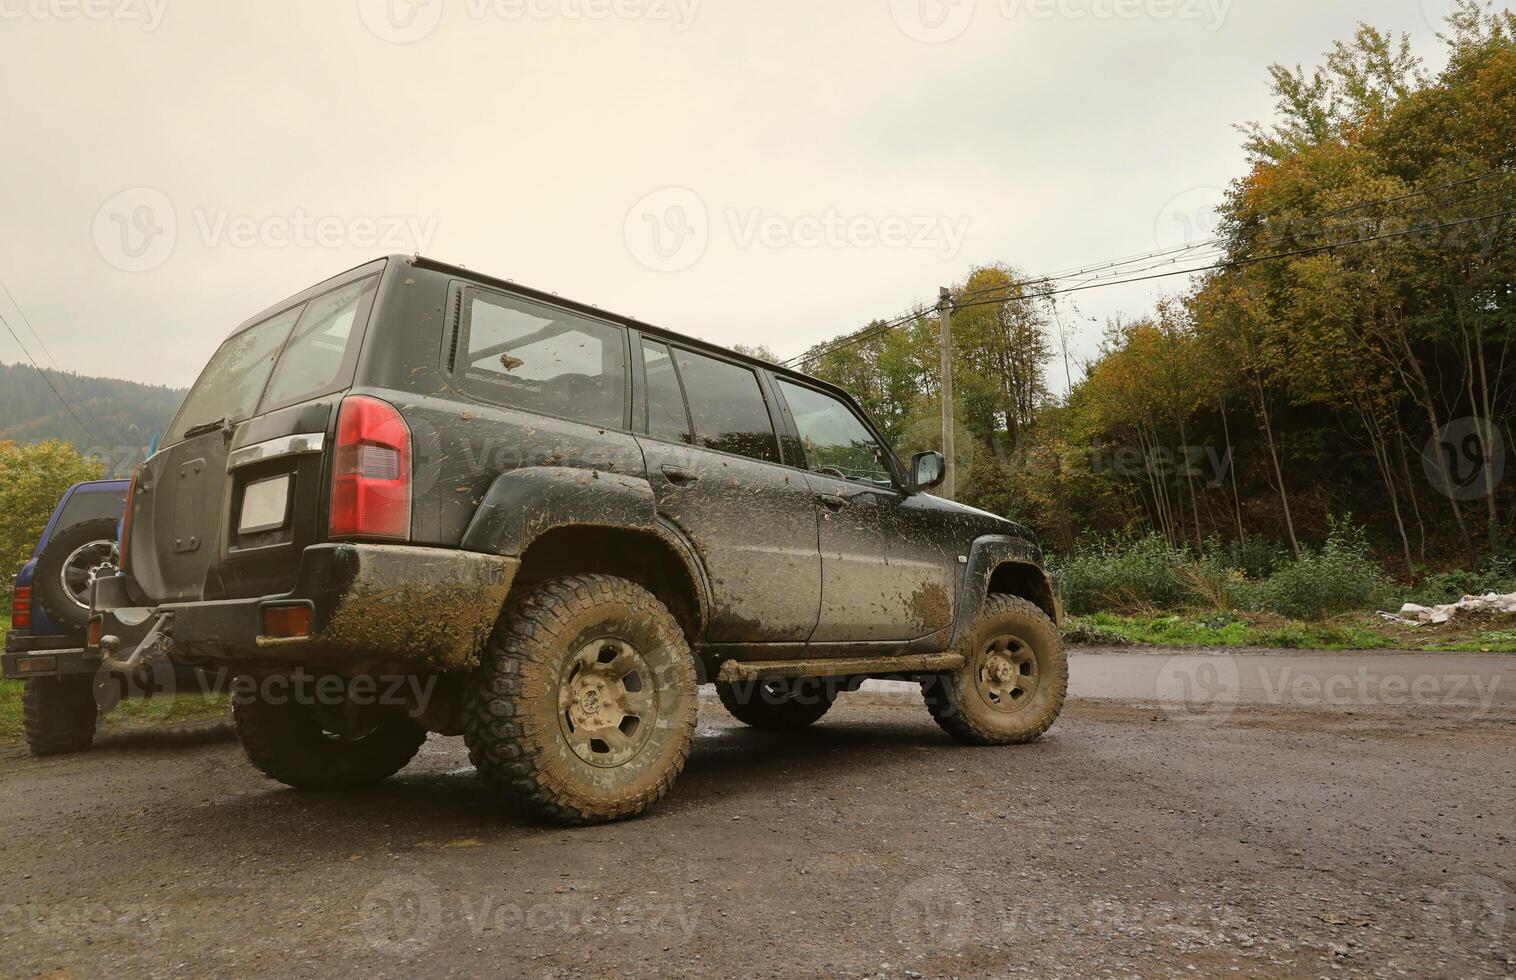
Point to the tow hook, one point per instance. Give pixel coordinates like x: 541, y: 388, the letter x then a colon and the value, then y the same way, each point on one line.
x: 156, y: 644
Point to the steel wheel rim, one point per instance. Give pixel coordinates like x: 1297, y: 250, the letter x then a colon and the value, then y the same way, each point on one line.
x: 1006, y: 673
x: 83, y: 565
x: 607, y: 702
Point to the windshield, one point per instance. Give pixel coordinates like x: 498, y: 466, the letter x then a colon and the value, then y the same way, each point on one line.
x: 231, y: 383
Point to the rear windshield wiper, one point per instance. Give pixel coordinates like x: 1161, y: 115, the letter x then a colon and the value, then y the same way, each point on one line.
x: 204, y: 427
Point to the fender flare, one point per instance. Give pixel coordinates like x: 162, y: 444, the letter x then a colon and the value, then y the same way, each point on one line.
x: 985, y: 556
x: 523, y: 504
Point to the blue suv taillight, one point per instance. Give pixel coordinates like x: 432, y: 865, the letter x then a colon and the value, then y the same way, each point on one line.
x: 21, y: 608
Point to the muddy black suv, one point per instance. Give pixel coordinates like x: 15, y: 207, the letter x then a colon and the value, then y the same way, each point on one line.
x: 416, y: 498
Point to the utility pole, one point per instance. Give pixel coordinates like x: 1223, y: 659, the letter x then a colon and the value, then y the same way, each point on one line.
x: 945, y: 319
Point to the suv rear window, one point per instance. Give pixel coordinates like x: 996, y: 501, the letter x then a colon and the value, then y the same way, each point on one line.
x: 229, y: 386
x: 87, y: 505
x: 544, y: 360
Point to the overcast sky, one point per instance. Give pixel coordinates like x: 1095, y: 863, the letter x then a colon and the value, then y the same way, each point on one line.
x: 774, y: 171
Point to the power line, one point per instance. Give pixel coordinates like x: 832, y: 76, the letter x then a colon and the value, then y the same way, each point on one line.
x: 43, y: 374
x: 1219, y: 244
x: 1172, y: 256
x: 1253, y: 260
x: 26, y: 322
x: 1005, y: 288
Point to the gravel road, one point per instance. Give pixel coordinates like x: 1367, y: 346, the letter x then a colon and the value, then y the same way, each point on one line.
x: 1264, y: 815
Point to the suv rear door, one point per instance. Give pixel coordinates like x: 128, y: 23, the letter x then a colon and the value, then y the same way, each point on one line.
x: 256, y: 418
x: 710, y: 440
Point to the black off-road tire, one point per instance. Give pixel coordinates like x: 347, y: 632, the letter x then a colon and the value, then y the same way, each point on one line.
x: 528, y: 721
x: 288, y: 742
x: 56, y: 602
x: 59, y: 714
x: 778, y: 705
x: 958, y: 700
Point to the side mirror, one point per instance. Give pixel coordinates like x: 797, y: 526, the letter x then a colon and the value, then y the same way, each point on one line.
x: 928, y: 470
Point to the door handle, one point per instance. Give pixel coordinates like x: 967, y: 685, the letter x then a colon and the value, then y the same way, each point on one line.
x: 831, y: 501
x: 679, y: 476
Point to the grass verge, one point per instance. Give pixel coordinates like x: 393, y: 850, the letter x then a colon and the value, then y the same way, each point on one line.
x: 1239, y: 630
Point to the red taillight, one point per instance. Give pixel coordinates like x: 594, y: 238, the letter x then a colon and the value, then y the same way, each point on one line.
x: 126, y: 520
x: 371, y: 472
x: 21, y: 608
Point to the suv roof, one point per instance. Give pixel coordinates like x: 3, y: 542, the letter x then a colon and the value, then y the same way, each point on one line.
x: 463, y: 272
x: 421, y: 261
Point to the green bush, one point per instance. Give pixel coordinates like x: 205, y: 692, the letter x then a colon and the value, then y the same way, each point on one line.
x: 1149, y: 574
x: 1342, y: 577
x: 1138, y: 573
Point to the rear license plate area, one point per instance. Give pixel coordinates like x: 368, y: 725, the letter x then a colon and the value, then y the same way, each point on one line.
x: 265, y: 505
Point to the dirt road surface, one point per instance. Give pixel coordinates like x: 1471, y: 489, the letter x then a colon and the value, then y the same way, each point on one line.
x: 1255, y: 816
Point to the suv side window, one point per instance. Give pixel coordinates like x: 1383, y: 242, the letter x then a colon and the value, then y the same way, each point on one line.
x: 727, y: 407
x: 835, y: 440
x: 540, y: 359
x: 321, y: 344
x: 666, y: 415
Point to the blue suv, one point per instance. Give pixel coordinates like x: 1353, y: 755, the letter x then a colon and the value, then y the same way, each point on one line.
x: 50, y: 612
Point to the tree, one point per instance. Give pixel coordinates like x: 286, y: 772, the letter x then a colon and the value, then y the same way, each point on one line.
x: 32, y: 479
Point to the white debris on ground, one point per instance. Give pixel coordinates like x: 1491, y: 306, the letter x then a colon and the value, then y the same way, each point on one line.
x: 1413, y: 615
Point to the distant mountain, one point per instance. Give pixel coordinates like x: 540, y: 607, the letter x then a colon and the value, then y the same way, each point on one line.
x: 121, y: 415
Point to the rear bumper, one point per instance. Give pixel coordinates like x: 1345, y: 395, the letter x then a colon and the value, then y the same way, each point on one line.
x: 29, y: 656
x: 373, y: 607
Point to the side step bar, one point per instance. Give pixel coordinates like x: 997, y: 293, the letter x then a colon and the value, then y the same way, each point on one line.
x: 734, y: 672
